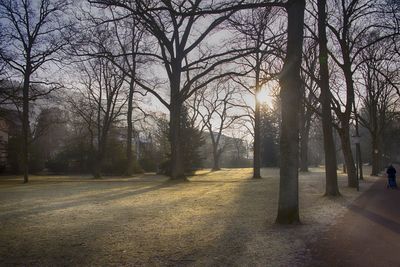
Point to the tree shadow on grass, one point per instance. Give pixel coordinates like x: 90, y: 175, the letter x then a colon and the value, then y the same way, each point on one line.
x: 219, y: 181
x: 51, y: 179
x: 79, y: 246
x: 84, y: 200
x: 237, y: 227
x: 241, y: 222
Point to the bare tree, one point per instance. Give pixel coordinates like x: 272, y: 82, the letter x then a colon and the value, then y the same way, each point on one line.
x: 240, y: 142
x: 177, y: 28
x: 99, y: 100
x: 35, y: 31
x: 260, y: 29
x: 379, y: 101
x: 349, y: 22
x: 172, y: 23
x: 310, y: 103
x: 129, y: 47
x: 322, y: 81
x: 216, y: 116
x: 129, y: 35
x: 291, y: 92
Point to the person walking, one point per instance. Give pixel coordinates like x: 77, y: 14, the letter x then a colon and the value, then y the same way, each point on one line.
x: 391, y: 175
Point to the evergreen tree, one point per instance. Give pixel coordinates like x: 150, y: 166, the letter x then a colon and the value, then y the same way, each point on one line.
x: 270, y: 138
x: 191, y: 141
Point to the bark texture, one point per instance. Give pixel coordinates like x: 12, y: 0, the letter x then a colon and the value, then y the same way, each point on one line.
x: 290, y: 81
x: 257, y: 145
x: 129, y: 154
x: 177, y: 170
x: 331, y: 185
x: 344, y: 134
x: 304, y: 137
x: 25, y: 122
x: 376, y: 158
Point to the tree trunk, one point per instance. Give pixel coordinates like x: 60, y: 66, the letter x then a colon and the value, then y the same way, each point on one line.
x: 304, y: 148
x: 215, y: 150
x: 331, y: 184
x: 358, y: 147
x: 348, y: 156
x: 256, y: 148
x: 345, y: 120
x: 97, y: 170
x: 129, y: 167
x: 177, y: 170
x: 304, y: 137
x: 376, y: 159
x: 216, y: 156
x: 360, y: 164
x: 25, y: 124
x: 290, y: 81
x: 102, y: 145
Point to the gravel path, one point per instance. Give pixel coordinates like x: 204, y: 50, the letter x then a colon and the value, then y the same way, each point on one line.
x: 367, y: 235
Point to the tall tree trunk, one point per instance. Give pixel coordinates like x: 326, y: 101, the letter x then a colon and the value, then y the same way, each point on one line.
x: 376, y: 159
x: 102, y: 145
x: 97, y: 170
x: 215, y: 150
x: 290, y: 81
x: 25, y: 124
x: 345, y: 120
x: 331, y: 185
x: 129, y: 167
x: 177, y: 170
x: 358, y: 146
x: 359, y: 162
x: 216, y: 157
x: 344, y: 134
x: 304, y: 136
x: 256, y: 148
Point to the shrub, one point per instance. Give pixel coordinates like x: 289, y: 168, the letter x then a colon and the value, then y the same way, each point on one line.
x: 148, y: 164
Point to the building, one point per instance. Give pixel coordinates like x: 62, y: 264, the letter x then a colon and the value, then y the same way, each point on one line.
x: 235, y: 152
x: 4, y: 129
x: 10, y: 125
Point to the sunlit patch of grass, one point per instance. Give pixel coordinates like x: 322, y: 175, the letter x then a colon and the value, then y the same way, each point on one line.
x: 220, y: 218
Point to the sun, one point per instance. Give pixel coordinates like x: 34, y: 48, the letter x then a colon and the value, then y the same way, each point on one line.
x: 267, y: 93
x: 262, y: 96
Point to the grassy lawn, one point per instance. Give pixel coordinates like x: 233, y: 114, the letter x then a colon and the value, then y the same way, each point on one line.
x: 218, y: 218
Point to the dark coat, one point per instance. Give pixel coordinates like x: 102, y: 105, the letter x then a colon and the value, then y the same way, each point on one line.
x: 391, y: 172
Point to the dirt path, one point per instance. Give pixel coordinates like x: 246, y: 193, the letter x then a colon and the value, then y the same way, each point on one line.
x: 367, y: 235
